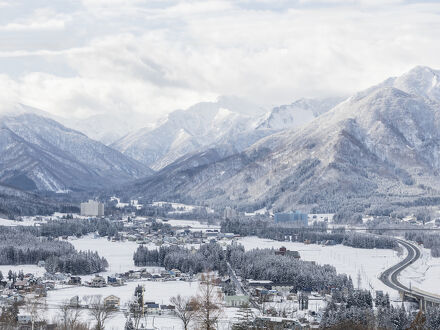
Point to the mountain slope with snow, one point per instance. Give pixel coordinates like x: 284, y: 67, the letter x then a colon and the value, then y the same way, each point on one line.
x: 230, y: 125
x: 383, y: 142
x: 38, y: 153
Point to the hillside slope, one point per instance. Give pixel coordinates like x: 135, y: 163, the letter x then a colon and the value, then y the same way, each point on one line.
x: 381, y: 142
x: 38, y: 153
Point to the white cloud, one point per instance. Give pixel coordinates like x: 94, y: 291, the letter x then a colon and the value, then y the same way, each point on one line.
x: 155, y: 56
x: 40, y: 19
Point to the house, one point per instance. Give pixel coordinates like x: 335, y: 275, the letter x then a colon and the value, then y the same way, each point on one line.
x: 74, y: 280
x: 112, y: 301
x: 21, y: 285
x: 236, y: 301
x: 98, y: 282
x: 151, y: 307
x: 284, y: 252
x: 114, y: 281
x: 24, y: 318
x: 167, y: 309
x: 176, y: 272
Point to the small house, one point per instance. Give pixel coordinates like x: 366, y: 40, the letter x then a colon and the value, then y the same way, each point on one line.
x: 98, y: 282
x: 112, y: 302
x: 152, y: 307
x: 74, y: 280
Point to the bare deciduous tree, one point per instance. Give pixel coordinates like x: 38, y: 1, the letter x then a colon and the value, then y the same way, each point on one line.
x: 69, y: 315
x: 209, y: 302
x: 185, y: 308
x: 35, y: 307
x: 99, y: 311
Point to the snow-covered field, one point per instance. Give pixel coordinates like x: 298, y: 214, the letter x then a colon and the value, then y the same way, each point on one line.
x: 351, y: 261
x: 118, y: 254
x: 12, y: 223
x: 424, y: 274
x: 33, y: 269
x: 159, y: 292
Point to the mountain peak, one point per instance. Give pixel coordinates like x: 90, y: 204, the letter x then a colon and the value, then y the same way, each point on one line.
x: 420, y: 80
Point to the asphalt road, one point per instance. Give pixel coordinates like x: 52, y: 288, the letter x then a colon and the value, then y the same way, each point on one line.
x: 390, y: 276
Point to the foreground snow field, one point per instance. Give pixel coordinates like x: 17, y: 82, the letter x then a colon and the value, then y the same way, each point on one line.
x: 159, y: 292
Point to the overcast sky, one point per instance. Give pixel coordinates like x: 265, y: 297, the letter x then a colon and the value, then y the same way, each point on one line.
x: 78, y: 58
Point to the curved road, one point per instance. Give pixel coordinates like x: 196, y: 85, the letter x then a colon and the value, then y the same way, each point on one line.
x: 390, y: 276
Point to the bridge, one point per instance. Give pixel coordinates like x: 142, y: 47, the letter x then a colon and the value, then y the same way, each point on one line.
x: 390, y: 278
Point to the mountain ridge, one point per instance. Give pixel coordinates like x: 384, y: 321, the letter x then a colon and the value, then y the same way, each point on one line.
x: 380, y: 142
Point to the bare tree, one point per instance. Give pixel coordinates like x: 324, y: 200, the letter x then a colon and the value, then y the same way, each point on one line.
x: 99, y: 311
x: 35, y: 307
x: 185, y: 308
x: 69, y: 315
x: 136, y: 312
x: 208, y: 303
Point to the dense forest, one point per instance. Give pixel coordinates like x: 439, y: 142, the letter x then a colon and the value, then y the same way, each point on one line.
x: 263, y: 264
x: 18, y: 245
x: 76, y: 263
x: 207, y: 257
x: 79, y: 227
x: 23, y: 245
x: 429, y: 240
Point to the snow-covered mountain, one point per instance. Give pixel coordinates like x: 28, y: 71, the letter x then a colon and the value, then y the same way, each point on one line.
x: 186, y: 131
x: 38, y: 153
x: 382, y: 143
x: 230, y: 125
x: 297, y: 114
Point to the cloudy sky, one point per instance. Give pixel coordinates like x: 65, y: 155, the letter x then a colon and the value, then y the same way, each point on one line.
x: 79, y: 58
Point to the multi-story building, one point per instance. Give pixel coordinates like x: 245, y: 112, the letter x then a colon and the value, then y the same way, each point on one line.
x: 92, y: 209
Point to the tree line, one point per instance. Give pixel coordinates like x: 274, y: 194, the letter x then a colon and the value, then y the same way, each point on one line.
x: 313, y: 234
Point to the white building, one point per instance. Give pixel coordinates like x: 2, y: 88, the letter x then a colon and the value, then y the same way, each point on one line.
x: 92, y: 209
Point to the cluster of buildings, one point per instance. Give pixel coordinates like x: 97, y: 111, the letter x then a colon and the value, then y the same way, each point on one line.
x: 146, y: 231
x: 15, y: 289
x: 120, y: 205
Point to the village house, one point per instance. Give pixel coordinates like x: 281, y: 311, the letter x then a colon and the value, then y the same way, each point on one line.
x: 74, y: 280
x: 284, y: 252
x: 112, y: 302
x: 167, y: 309
x: 151, y: 307
x: 98, y: 282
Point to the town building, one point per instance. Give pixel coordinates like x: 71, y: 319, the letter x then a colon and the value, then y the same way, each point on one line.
x: 92, y: 209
